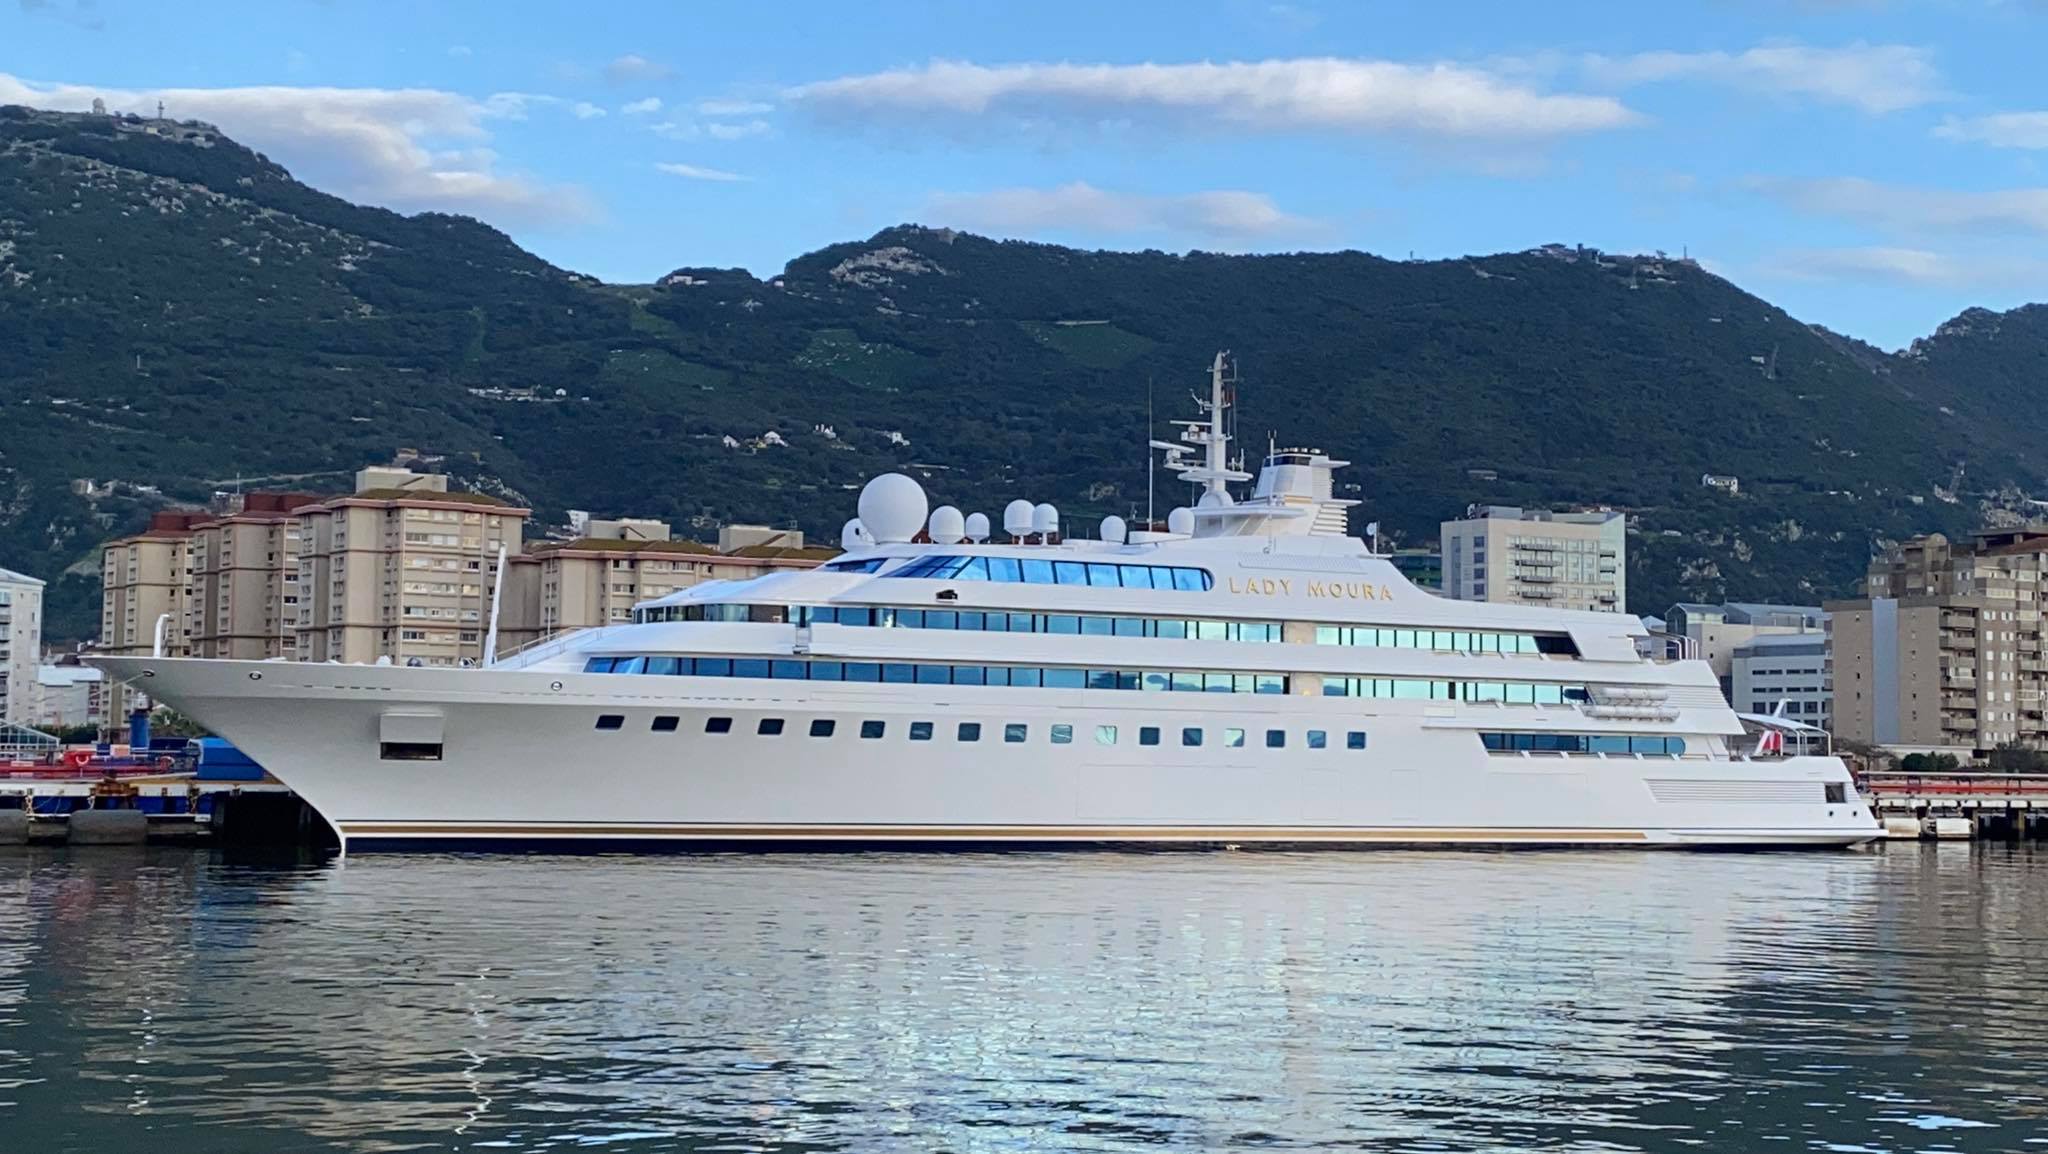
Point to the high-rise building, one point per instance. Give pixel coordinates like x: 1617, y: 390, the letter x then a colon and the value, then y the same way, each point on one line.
x: 1568, y: 560
x: 145, y: 579
x: 242, y: 590
x: 1944, y: 651
x: 21, y: 645
x: 401, y: 569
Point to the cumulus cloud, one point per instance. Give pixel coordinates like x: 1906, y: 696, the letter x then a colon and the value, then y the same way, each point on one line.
x: 633, y: 68
x: 1906, y: 266
x: 1364, y: 97
x: 1999, y: 130
x: 733, y: 108
x: 1875, y: 78
x: 585, y: 110
x: 1227, y: 216
x: 694, y: 172
x: 459, y: 50
x: 411, y: 149
x: 1911, y: 209
x: 642, y: 107
x: 721, y: 131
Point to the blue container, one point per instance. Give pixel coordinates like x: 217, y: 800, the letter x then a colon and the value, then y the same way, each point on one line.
x: 219, y: 760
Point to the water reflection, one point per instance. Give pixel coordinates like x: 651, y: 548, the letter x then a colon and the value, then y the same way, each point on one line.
x: 1885, y: 1000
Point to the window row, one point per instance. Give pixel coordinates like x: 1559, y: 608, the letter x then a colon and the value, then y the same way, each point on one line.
x: 1509, y: 692
x: 1046, y: 677
x: 1445, y: 640
x: 1037, y: 571
x: 973, y: 621
x: 1013, y: 733
x: 1582, y: 743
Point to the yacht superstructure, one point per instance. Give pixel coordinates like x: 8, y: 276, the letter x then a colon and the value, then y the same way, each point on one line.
x: 1249, y: 675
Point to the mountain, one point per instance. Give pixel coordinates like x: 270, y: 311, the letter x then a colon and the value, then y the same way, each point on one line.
x: 180, y: 313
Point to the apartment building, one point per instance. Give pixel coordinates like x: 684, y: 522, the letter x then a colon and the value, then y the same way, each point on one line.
x: 1783, y: 673
x: 1716, y: 633
x: 596, y: 579
x: 21, y: 645
x: 144, y: 578
x: 1565, y: 560
x: 242, y: 588
x: 401, y: 569
x: 1944, y: 651
x: 69, y: 694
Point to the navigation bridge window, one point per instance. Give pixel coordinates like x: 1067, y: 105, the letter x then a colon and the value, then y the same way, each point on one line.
x: 1036, y: 571
x: 1012, y: 676
x: 1446, y: 640
x: 1617, y: 744
x: 1417, y: 689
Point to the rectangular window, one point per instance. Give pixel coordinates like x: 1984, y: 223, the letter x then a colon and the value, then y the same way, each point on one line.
x: 1105, y: 735
x: 412, y: 751
x: 749, y: 667
x: 823, y: 727
x: 1148, y: 735
x: 872, y: 730
x: 1276, y: 739
x: 769, y: 727
x: 934, y: 674
x: 920, y: 731
x: 1016, y: 732
x: 1355, y: 739
x: 1317, y: 739
x: 1233, y: 739
x: 970, y: 731
x: 1062, y: 735
x: 611, y: 721
x: 1191, y: 736
x: 1835, y: 792
x: 718, y: 725
x: 665, y: 724
x: 1065, y: 678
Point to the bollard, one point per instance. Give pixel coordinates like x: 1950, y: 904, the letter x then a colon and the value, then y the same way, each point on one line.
x: 108, y: 827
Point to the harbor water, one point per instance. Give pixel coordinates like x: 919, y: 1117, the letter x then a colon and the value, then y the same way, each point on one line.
x: 170, y: 1000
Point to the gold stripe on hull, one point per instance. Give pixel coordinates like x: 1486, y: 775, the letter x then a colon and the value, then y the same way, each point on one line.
x: 982, y: 833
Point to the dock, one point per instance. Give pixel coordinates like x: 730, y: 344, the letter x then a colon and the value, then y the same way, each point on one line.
x: 1958, y: 804
x: 177, y: 808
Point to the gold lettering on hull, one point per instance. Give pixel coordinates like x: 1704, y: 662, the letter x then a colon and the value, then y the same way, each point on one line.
x: 1331, y: 590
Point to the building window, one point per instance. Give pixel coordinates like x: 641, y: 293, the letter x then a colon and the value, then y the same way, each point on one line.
x: 920, y: 731
x: 873, y: 730
x: 822, y: 727
x: 1062, y: 735
x: 1191, y: 736
x: 611, y: 721
x: 665, y: 724
x: 718, y: 725
x: 1015, y: 732
x: 970, y: 731
x: 769, y: 727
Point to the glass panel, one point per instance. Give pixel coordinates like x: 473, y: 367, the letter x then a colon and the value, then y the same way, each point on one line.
x: 1521, y: 693
x: 1016, y: 732
x: 1608, y: 743
x: 1130, y: 627
x: 769, y: 727
x: 1102, y: 679
x: 1355, y: 739
x: 934, y: 674
x: 863, y: 671
x: 823, y: 727
x: 598, y: 665
x: 1096, y: 626
x: 1101, y: 574
x: 611, y: 720
x: 1063, y: 623
x: 1157, y: 681
x: 1499, y: 741
x: 1172, y: 628
x: 1005, y: 569
x: 1023, y: 623
x: 976, y: 569
x: 1276, y: 739
x: 1269, y: 683
x: 1105, y: 735
x: 1136, y: 576
x: 1148, y: 735
x: 1162, y: 577
x: 788, y: 670
x: 828, y: 671
x: 1193, y: 580
x: 1336, y: 687
x: 669, y: 666
x: 1187, y: 682
x: 1037, y: 572
x: 1069, y: 573
x: 629, y: 665
x: 1549, y: 694
x: 1062, y: 735
x: 969, y: 675
x: 951, y: 567
x: 749, y: 667
x: 970, y: 731
x: 1328, y: 635
x: 998, y: 675
x: 1065, y: 678
x: 1241, y: 682
x: 972, y: 622
x: 1409, y: 689
x: 1211, y: 630
x: 941, y: 619
x: 920, y: 731
x: 714, y: 667
x: 1233, y: 739
x: 1218, y: 683
x: 893, y: 671
x: 1026, y: 676
x: 1317, y: 739
x: 1191, y: 736
x: 908, y: 619
x: 1127, y: 678
x: 718, y: 725
x: 873, y: 729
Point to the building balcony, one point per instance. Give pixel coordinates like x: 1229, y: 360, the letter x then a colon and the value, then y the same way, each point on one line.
x: 1533, y: 548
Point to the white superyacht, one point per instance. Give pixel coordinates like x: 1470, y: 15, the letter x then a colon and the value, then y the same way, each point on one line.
x: 1251, y: 676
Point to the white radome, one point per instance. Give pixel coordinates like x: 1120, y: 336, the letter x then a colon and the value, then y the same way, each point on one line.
x: 893, y: 507
x: 1045, y: 519
x: 1181, y: 522
x: 977, y: 527
x: 1114, y: 530
x: 947, y: 526
x: 854, y: 535
x: 1017, y: 517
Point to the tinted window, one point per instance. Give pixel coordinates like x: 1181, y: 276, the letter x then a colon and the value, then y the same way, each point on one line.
x: 1065, y: 678
x: 1037, y: 572
x: 1276, y: 738
x: 1148, y: 735
x: 611, y: 720
x: 666, y: 666
x: 872, y: 729
x: 1105, y: 735
x: 718, y: 725
x: 970, y: 731
x: 769, y: 727
x: 749, y: 667
x: 1062, y: 734
x: 823, y: 727
x: 1004, y: 569
x: 1191, y: 736
x: 1355, y: 739
x: 1069, y: 573
x: 920, y: 731
x: 598, y: 665
x: 1015, y: 732
x: 1233, y: 738
x: 1317, y: 739
x: 665, y: 724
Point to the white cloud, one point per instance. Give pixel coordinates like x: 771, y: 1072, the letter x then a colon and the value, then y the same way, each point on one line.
x: 585, y: 110
x: 1909, y: 209
x: 459, y: 50
x: 642, y: 107
x: 381, y: 145
x: 1875, y: 78
x: 1228, y: 216
x: 1906, y: 266
x: 513, y: 105
x: 693, y: 172
x: 1999, y: 130
x: 1294, y: 95
x: 718, y: 131
x: 633, y: 68
x: 733, y: 108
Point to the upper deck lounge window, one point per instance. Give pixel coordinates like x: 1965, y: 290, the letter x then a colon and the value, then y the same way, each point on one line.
x: 1047, y: 571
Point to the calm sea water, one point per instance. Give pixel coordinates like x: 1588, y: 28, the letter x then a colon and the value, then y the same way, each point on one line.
x: 178, y: 1001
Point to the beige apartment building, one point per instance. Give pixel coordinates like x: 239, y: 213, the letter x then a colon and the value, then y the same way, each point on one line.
x: 1944, y: 653
x: 401, y: 569
x: 242, y: 591
x: 1568, y: 560
x: 143, y: 579
x: 21, y: 645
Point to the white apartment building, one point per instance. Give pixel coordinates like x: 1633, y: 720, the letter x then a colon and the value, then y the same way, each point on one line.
x: 21, y: 645
x: 1565, y: 560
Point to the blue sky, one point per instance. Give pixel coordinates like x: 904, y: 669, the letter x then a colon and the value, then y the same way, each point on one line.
x: 1875, y: 167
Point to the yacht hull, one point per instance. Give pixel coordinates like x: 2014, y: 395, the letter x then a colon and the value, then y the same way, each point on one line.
x: 534, y: 758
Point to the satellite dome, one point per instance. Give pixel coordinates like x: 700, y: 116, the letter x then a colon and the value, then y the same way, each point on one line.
x: 977, y: 527
x: 1113, y: 529
x: 1017, y: 517
x: 1214, y: 499
x: 1181, y: 521
x: 854, y: 535
x: 893, y: 507
x: 947, y: 526
x: 1045, y: 519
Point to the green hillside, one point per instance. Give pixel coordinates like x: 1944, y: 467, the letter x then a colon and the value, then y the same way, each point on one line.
x: 177, y: 312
